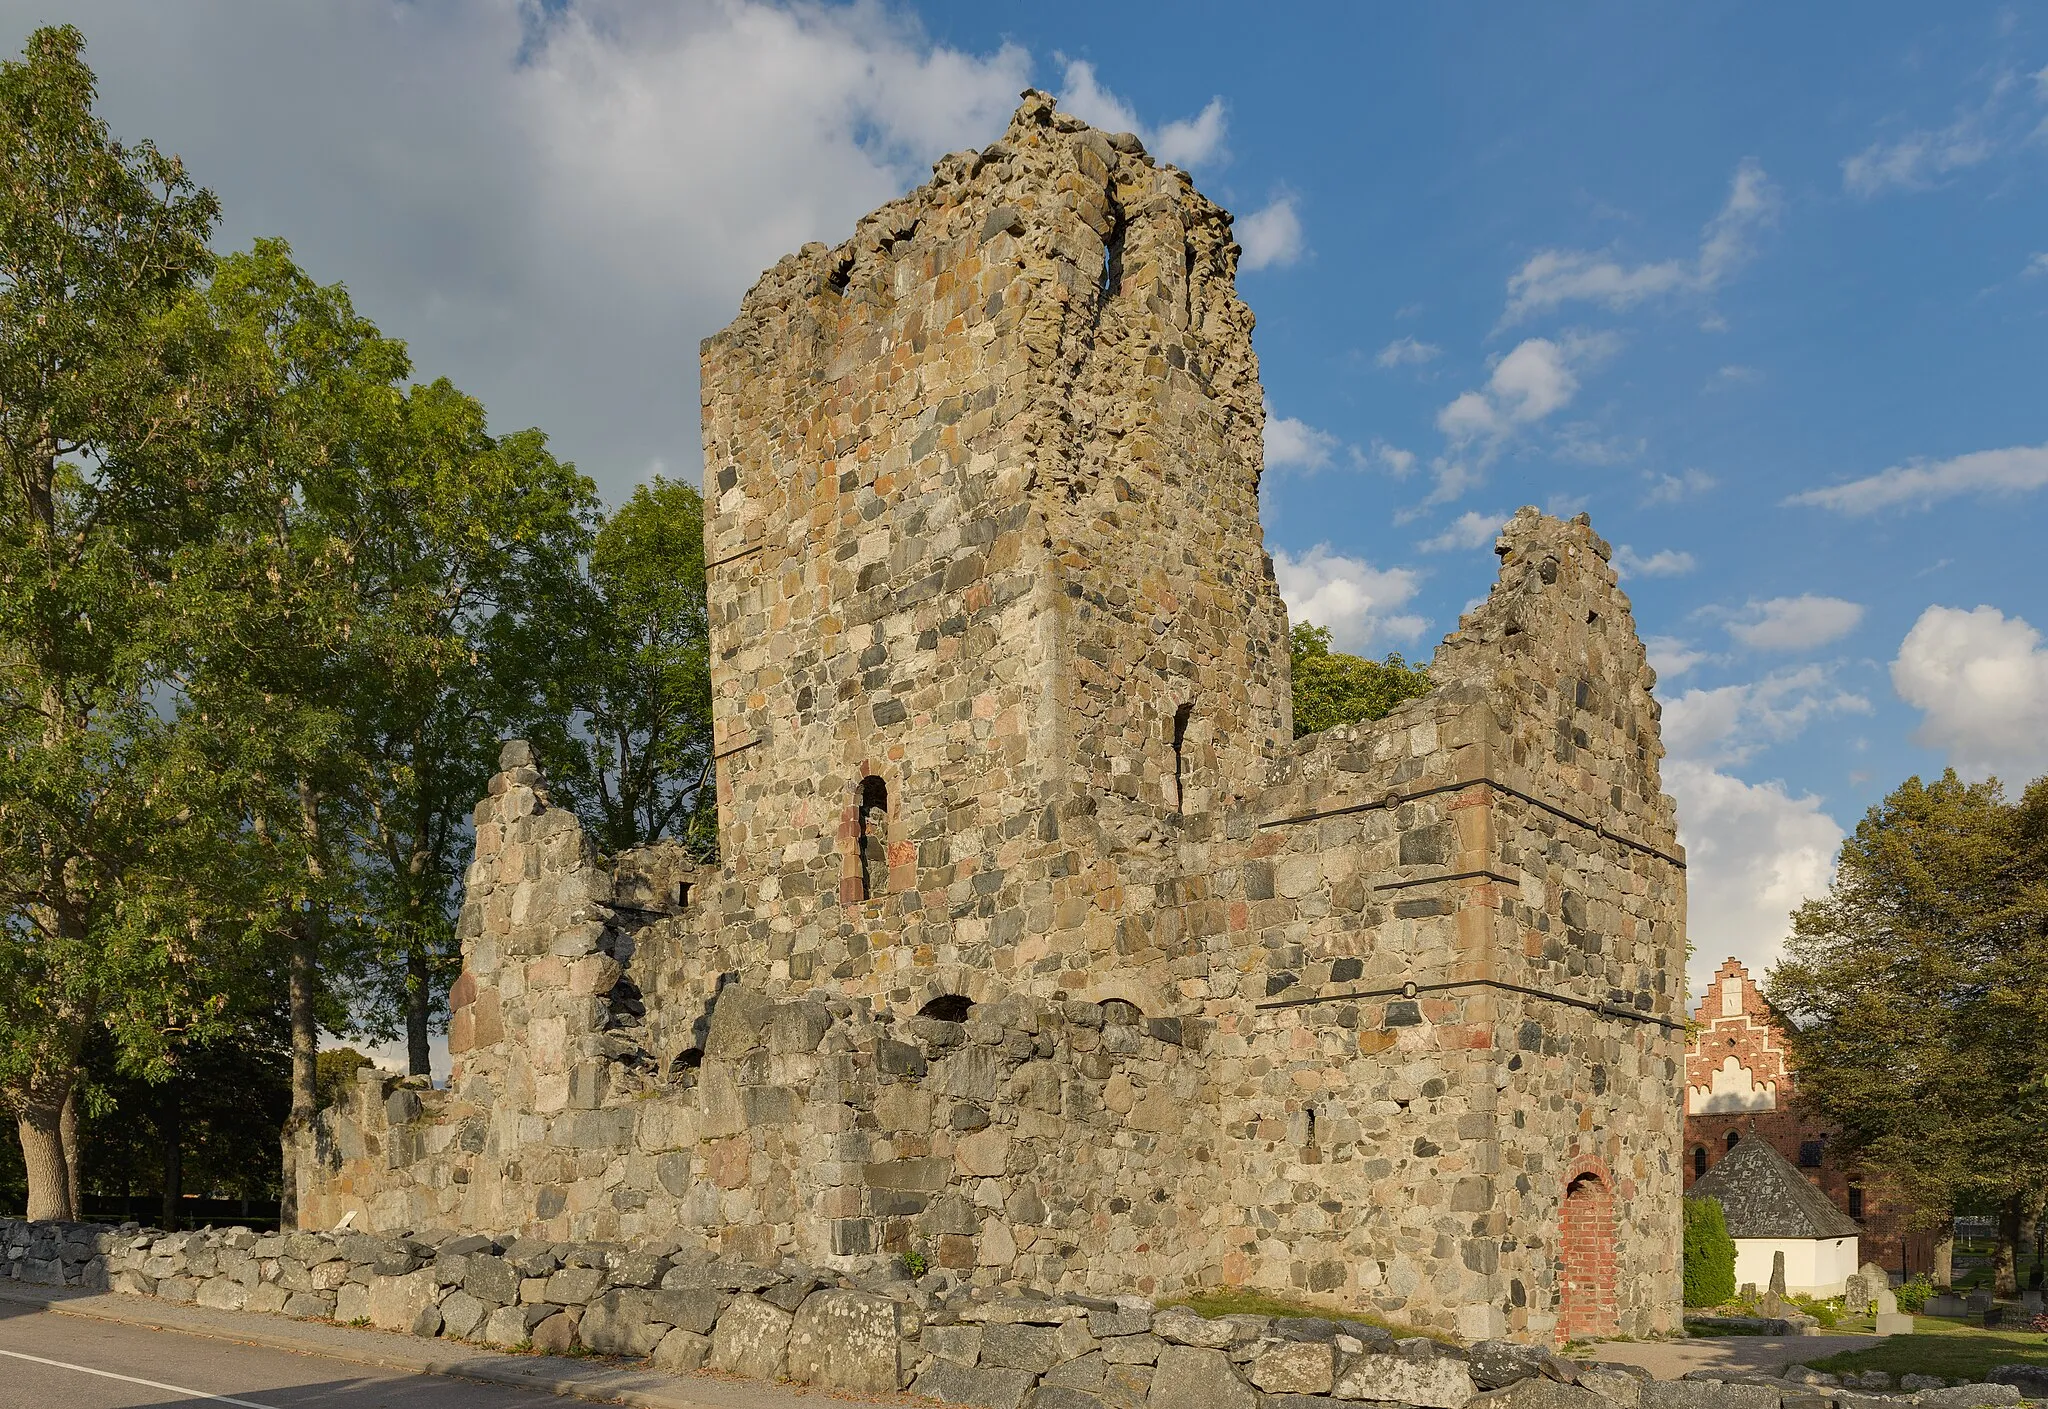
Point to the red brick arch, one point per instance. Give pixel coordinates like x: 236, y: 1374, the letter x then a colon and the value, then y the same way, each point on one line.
x: 1585, y: 1295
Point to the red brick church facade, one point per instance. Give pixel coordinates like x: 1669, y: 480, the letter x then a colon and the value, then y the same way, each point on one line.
x: 1738, y: 1078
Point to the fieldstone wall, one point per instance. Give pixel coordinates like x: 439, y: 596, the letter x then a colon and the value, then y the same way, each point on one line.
x: 1037, y: 947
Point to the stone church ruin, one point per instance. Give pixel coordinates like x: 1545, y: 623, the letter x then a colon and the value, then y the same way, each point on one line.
x: 1038, y: 946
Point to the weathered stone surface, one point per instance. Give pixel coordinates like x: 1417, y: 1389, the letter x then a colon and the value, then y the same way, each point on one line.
x: 1617, y: 1384
x: 396, y: 1302
x: 462, y: 1315
x: 1969, y: 1396
x: 1400, y: 1379
x: 846, y: 1340
x: 1694, y: 1394
x: 491, y: 1280
x: 1192, y: 1377
x: 681, y: 1351
x: 752, y: 1339
x: 1541, y: 1392
x: 224, y: 1294
x: 959, y: 1344
x: 1303, y: 1367
x: 620, y: 1323
x: 556, y: 1334
x: 958, y: 1384
x: 1179, y: 1327
x: 509, y: 1326
x: 352, y: 1303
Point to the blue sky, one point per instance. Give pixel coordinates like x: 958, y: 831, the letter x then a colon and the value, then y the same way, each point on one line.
x: 1763, y: 289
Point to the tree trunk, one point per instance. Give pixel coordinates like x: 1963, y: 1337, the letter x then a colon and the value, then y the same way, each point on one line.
x: 41, y: 1125
x: 67, y: 1132
x: 170, y: 1130
x: 1945, y: 1258
x: 305, y: 977
x: 418, y: 1006
x: 2005, y: 1277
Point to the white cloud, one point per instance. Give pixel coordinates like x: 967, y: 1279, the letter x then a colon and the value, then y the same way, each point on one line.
x: 1667, y: 562
x: 1392, y: 458
x: 2017, y: 469
x: 2036, y: 266
x: 1293, y: 444
x: 1536, y: 378
x: 1407, y: 351
x: 1754, y: 853
x: 1468, y: 530
x: 1671, y: 657
x: 1553, y: 277
x: 553, y: 213
x: 1271, y: 236
x: 1795, y: 623
x: 1359, y: 603
x: 1980, y: 680
x: 1189, y: 141
x: 1733, y: 723
x: 1917, y: 160
x: 1675, y: 489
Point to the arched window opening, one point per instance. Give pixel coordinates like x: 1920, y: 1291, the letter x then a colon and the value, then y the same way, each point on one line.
x: 1855, y: 1200
x: 1699, y: 1160
x: 874, y: 836
x: 947, y: 1008
x: 1733, y: 1136
x: 1181, y: 717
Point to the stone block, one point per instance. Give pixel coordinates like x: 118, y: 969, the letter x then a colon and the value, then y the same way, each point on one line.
x: 958, y: 1384
x: 222, y: 1294
x: 268, y: 1298
x: 1132, y: 1350
x: 574, y: 1286
x: 1178, y: 1327
x: 1893, y: 1323
x: 621, y: 1323
x: 1299, y: 1367
x: 1617, y: 1384
x: 1541, y: 1392
x: 427, y: 1324
x: 491, y: 1280
x: 556, y: 1334
x: 1062, y: 1397
x: 352, y: 1303
x: 959, y: 1344
x: 1120, y: 1321
x: 396, y: 1302
x: 751, y: 1339
x: 1196, y: 1377
x: 1429, y: 1384
x: 462, y: 1314
x: 846, y: 1340
x: 1014, y: 1347
x: 690, y: 1308
x: 1696, y: 1394
x: 1968, y: 1396
x: 681, y: 1351
x: 509, y: 1326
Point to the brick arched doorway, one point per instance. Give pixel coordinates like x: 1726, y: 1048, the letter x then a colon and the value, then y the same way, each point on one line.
x: 1585, y: 1304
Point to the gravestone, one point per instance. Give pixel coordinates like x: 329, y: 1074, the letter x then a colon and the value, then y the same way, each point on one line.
x: 2031, y: 1301
x: 1778, y: 1273
x: 1945, y: 1304
x: 1979, y: 1302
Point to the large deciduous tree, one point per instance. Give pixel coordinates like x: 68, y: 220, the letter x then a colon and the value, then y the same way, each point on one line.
x: 1918, y: 993
x: 101, y: 392
x: 1335, y: 687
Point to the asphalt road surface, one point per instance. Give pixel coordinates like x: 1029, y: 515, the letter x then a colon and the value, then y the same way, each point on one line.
x: 51, y: 1361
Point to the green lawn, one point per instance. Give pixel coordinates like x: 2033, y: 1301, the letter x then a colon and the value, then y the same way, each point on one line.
x: 1941, y: 1346
x: 1245, y: 1301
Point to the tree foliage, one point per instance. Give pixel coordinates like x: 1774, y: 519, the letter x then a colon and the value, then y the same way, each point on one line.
x: 1333, y: 688
x: 1918, y: 993
x: 1709, y: 1254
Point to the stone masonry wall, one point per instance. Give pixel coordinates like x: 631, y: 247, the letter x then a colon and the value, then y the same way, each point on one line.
x: 1037, y: 947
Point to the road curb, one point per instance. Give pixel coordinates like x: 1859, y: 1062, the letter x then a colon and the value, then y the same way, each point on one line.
x: 571, y: 1379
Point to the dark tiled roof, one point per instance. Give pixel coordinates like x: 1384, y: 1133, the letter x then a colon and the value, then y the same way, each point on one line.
x: 1763, y: 1196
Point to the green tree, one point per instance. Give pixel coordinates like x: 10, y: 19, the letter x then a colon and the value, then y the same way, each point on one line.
x: 627, y: 723
x: 1332, y: 688
x: 1709, y: 1254
x: 1918, y: 993
x: 101, y: 393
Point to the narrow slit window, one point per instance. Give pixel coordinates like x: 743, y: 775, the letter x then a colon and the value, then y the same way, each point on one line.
x: 1699, y: 1160
x: 1311, y: 1126
x: 1181, y: 717
x: 1856, y: 1202
x: 874, y: 837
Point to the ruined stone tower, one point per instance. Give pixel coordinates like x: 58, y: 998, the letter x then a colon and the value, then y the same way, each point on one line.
x: 1037, y: 944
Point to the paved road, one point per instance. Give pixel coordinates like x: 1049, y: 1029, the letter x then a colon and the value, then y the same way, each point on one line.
x: 52, y: 1361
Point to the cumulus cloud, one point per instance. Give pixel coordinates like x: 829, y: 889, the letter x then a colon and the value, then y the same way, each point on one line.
x: 1754, y: 852
x: 1271, y: 235
x: 1358, y: 603
x: 1293, y: 444
x: 1554, y: 277
x: 1795, y: 623
x: 1667, y: 562
x: 1468, y: 530
x: 1188, y: 141
x: 1675, y: 489
x: 1733, y: 723
x: 1670, y: 657
x: 1407, y: 351
x: 1392, y: 458
x: 2019, y: 469
x: 1537, y: 377
x: 1980, y: 680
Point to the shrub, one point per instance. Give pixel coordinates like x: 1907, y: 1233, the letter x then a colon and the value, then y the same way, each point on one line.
x: 1709, y: 1254
x: 1914, y: 1291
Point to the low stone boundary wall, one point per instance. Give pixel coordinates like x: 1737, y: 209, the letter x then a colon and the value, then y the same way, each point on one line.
x: 933, y: 1336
